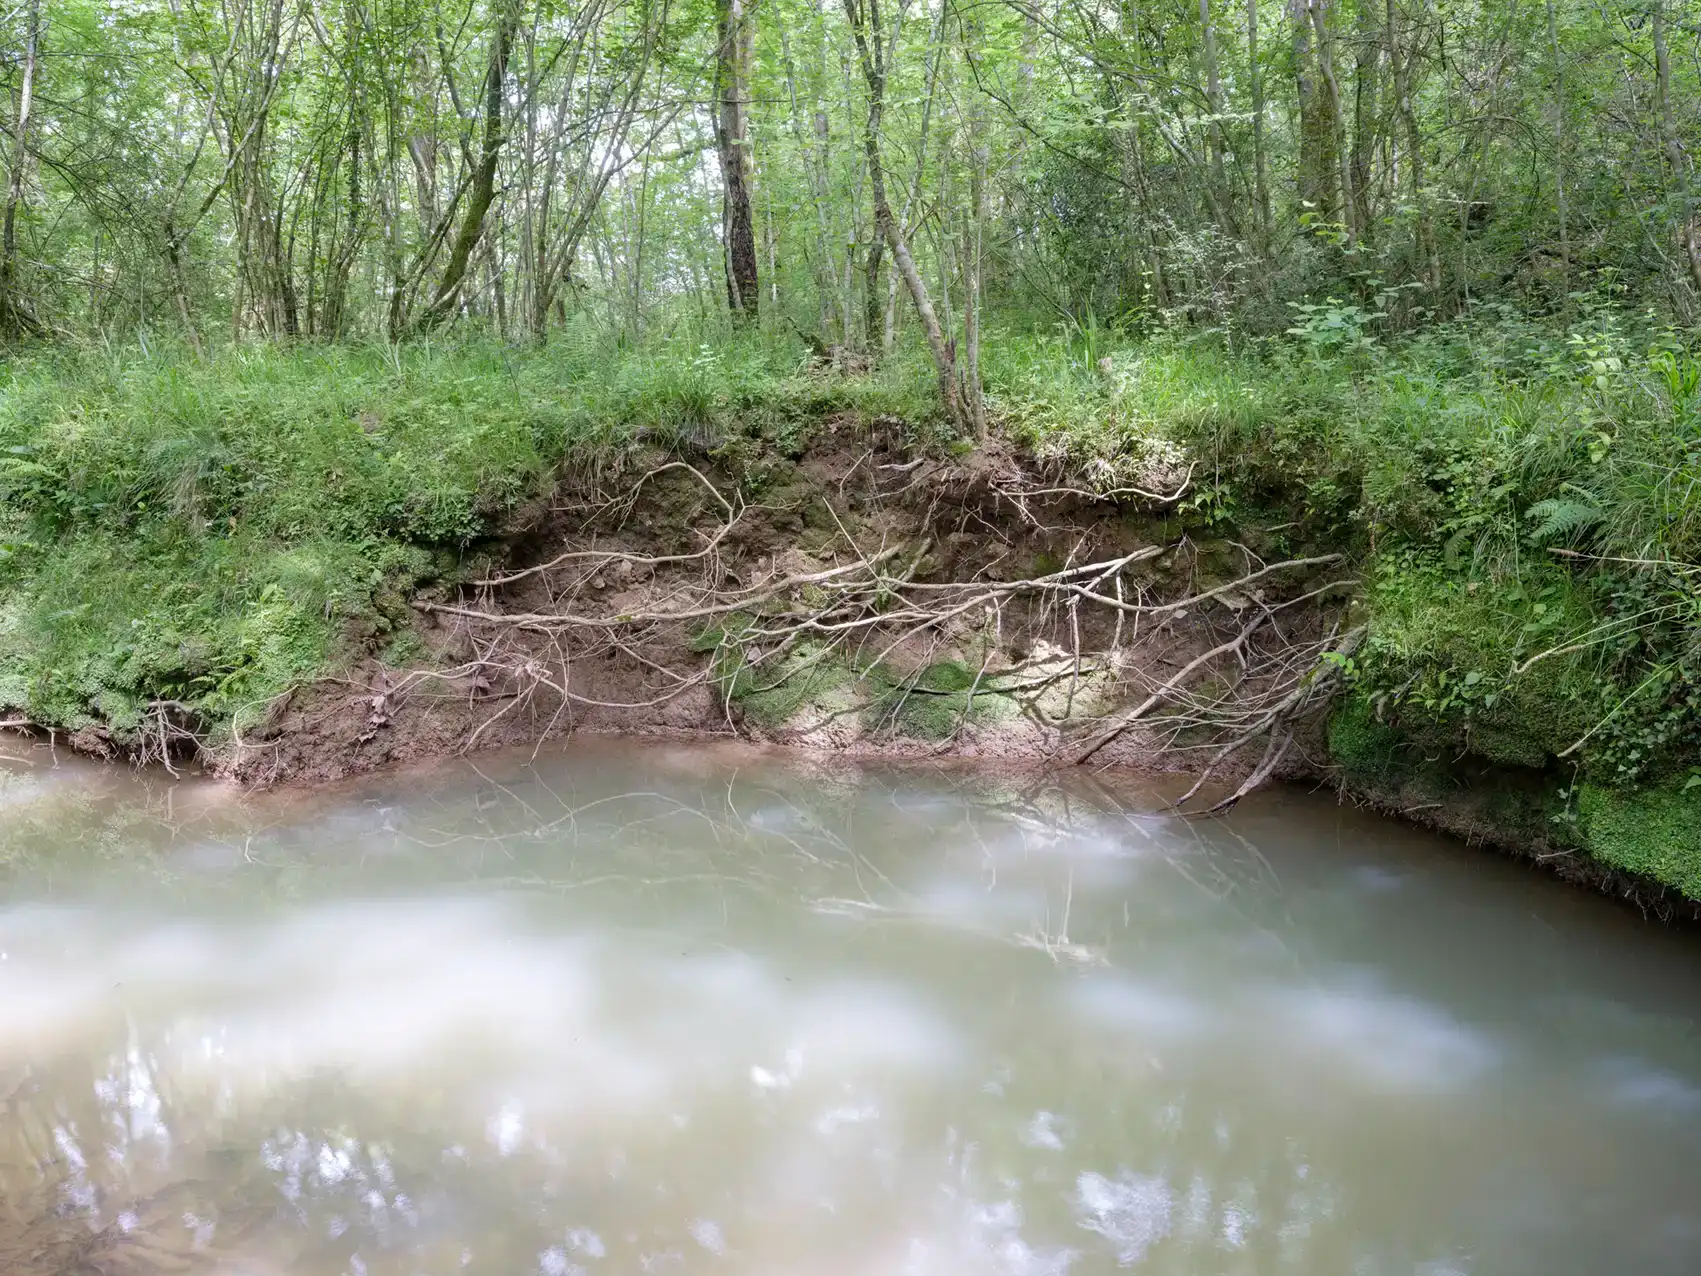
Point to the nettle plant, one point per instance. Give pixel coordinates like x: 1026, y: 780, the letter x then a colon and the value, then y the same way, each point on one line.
x: 1334, y: 326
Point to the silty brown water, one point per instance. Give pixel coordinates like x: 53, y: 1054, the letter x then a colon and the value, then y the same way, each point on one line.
x: 637, y: 1008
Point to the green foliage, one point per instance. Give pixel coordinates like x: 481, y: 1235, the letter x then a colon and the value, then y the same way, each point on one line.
x: 103, y: 626
x: 1446, y: 648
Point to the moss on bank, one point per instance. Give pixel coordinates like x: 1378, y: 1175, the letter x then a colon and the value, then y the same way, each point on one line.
x: 814, y: 689
x: 1655, y: 832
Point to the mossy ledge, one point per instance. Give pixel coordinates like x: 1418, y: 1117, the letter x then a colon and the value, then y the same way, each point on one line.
x: 1643, y: 847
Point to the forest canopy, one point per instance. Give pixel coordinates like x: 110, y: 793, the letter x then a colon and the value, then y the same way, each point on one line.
x: 353, y: 168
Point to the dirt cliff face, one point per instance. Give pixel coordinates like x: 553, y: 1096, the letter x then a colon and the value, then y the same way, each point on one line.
x: 856, y: 600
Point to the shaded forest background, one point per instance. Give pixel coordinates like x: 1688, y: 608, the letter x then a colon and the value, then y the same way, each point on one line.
x: 340, y: 168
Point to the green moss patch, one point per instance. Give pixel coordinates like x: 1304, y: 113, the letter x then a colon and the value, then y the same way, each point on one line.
x: 1655, y: 832
x: 1368, y: 751
x: 935, y: 701
x: 777, y: 693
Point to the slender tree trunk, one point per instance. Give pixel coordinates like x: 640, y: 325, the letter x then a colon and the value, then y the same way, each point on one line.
x: 1336, y: 116
x: 334, y: 308
x: 866, y: 31
x: 498, y: 285
x: 1559, y: 149
x: 814, y: 158
x: 1214, y: 100
x: 871, y: 288
x: 733, y: 55
x: 1316, y: 129
x: 483, y: 191
x: 1260, y: 158
x: 1687, y: 232
x: 889, y: 318
x: 974, y: 236
x: 1367, y: 100
x: 1400, y: 62
x: 16, y: 315
x: 180, y: 290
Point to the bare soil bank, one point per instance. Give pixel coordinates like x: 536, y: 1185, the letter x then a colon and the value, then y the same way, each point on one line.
x: 858, y: 601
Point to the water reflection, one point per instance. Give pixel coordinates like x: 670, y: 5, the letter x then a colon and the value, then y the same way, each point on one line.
x: 663, y: 1009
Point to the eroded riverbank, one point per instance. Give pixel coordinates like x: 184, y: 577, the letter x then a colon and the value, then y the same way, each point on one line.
x: 859, y: 600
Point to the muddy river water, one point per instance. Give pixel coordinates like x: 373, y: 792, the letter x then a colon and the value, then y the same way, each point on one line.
x: 633, y: 1008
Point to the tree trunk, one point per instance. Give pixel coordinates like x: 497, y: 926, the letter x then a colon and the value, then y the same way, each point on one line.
x: 180, y: 289
x: 1260, y: 158
x: 1559, y: 150
x: 334, y: 310
x: 1335, y: 122
x: 1687, y: 231
x: 1367, y: 97
x: 16, y: 314
x: 1214, y: 100
x: 814, y: 158
x: 483, y: 191
x: 974, y: 235
x: 865, y: 30
x: 1428, y: 262
x: 871, y: 289
x: 733, y: 56
x: 1316, y: 129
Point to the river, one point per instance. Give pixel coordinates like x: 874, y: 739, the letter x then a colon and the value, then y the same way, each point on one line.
x: 639, y: 1008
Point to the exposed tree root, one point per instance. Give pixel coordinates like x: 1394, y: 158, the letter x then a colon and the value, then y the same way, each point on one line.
x: 756, y: 627
x: 168, y: 733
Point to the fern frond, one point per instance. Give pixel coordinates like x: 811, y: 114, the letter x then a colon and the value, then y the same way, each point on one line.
x: 1560, y: 519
